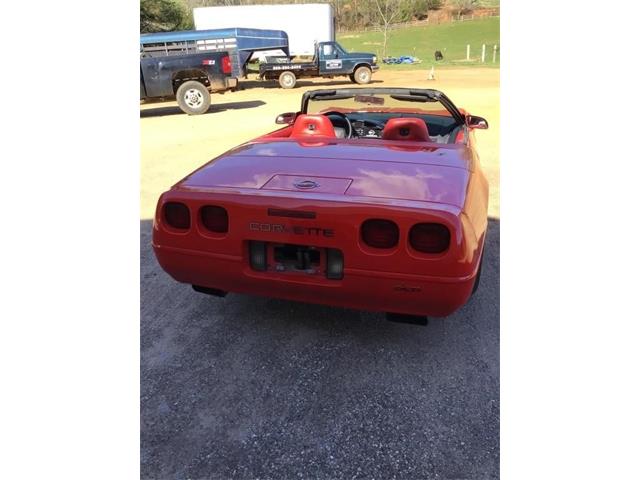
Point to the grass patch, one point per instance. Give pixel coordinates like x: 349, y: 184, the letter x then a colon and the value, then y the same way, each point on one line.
x: 450, y: 38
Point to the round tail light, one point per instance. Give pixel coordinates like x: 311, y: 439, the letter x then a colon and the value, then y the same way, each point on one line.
x: 176, y: 215
x: 214, y: 219
x: 380, y: 233
x: 429, y: 237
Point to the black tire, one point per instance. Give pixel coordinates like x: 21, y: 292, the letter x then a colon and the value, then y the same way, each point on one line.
x: 352, y: 78
x: 362, y: 75
x: 287, y: 79
x: 193, y: 98
x: 476, y: 284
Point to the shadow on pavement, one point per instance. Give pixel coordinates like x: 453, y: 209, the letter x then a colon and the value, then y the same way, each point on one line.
x: 248, y: 386
x: 214, y: 108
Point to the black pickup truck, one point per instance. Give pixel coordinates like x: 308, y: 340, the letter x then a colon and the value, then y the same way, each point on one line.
x: 170, y: 69
x: 330, y: 60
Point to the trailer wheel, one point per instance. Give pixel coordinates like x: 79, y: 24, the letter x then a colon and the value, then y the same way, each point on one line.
x: 362, y: 75
x: 193, y: 98
x: 287, y: 80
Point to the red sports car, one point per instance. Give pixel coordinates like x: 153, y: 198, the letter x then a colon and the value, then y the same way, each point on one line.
x: 367, y: 198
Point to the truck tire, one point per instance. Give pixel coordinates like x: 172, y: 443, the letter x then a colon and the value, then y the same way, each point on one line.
x: 352, y: 78
x: 193, y: 98
x: 287, y: 79
x: 362, y: 75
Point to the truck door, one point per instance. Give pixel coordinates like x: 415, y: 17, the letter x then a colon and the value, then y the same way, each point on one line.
x: 329, y: 59
x: 157, y: 80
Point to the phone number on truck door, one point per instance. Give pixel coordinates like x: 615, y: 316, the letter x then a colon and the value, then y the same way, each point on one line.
x: 287, y: 67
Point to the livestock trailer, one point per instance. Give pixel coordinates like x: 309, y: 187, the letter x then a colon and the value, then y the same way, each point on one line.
x: 305, y: 24
x: 241, y: 43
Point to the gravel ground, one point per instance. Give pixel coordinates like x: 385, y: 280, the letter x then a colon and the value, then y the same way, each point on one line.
x: 250, y: 387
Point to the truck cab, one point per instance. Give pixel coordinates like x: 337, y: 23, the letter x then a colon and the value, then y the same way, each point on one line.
x: 330, y: 60
x: 334, y: 58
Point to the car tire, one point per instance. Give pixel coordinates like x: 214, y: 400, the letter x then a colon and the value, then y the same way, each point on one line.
x: 287, y: 79
x: 476, y: 284
x: 352, y: 78
x: 362, y: 75
x: 193, y: 98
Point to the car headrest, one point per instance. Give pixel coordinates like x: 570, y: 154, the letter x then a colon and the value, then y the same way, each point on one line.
x: 312, y: 125
x: 407, y: 128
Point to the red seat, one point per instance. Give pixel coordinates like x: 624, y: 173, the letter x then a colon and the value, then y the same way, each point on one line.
x: 409, y: 128
x: 313, y: 126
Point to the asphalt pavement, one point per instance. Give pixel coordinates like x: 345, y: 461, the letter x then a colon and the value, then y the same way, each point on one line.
x: 252, y: 387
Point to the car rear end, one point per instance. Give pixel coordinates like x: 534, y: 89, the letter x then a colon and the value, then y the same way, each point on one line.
x: 395, y: 256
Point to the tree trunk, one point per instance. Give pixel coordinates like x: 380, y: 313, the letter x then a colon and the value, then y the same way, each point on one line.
x: 384, y: 42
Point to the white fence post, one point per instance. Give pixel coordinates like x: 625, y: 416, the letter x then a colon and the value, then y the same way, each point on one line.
x: 483, y: 50
x: 468, y: 50
x: 495, y: 48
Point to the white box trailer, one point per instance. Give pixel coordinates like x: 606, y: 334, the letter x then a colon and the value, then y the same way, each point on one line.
x: 304, y: 23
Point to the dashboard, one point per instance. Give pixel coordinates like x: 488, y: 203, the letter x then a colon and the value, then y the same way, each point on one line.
x: 371, y: 125
x: 367, y: 128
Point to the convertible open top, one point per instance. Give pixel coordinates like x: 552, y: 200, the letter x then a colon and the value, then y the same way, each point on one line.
x: 416, y: 95
x: 368, y: 198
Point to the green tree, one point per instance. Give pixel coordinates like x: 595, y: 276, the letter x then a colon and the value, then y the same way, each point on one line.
x: 164, y: 16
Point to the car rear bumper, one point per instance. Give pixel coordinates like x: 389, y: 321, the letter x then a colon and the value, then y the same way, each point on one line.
x: 359, y: 289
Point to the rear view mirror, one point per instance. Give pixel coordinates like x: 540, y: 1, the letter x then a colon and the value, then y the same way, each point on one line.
x: 477, y: 122
x: 286, y: 118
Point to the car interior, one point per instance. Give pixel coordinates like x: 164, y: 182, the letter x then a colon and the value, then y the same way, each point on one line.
x: 378, y: 125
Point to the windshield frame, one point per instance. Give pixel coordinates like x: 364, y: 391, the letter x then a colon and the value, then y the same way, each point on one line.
x: 412, y: 92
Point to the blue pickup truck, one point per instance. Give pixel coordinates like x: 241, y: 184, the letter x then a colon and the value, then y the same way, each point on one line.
x: 190, y: 78
x: 192, y: 64
x: 330, y: 60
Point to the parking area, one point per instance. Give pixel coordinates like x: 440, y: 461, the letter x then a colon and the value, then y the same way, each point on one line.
x: 250, y: 387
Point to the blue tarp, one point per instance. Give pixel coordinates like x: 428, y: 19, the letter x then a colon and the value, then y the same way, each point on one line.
x: 401, y: 59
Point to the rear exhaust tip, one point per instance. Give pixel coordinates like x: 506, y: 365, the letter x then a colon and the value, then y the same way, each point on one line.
x: 411, y: 319
x: 210, y: 291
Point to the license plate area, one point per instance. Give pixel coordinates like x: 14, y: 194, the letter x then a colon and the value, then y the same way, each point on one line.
x: 297, y: 258
x: 292, y: 259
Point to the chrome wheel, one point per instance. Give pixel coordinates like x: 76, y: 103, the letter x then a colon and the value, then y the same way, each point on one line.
x: 287, y: 80
x: 362, y: 75
x: 193, y: 98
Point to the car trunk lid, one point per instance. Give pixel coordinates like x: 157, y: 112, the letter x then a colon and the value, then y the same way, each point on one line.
x: 434, y: 174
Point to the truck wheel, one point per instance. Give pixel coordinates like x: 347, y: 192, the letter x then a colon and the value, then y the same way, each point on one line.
x: 362, y: 75
x: 287, y: 80
x: 193, y: 98
x: 352, y: 78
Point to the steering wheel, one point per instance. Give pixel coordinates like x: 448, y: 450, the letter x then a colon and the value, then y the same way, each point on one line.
x: 342, y: 117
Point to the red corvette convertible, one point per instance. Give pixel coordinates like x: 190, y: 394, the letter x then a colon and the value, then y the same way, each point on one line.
x: 368, y: 198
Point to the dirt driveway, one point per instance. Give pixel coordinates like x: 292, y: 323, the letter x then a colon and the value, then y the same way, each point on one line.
x: 250, y: 387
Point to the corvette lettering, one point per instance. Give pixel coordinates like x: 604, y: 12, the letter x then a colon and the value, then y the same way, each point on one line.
x: 291, y: 229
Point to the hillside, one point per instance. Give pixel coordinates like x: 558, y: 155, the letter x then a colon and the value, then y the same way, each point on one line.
x: 450, y: 38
